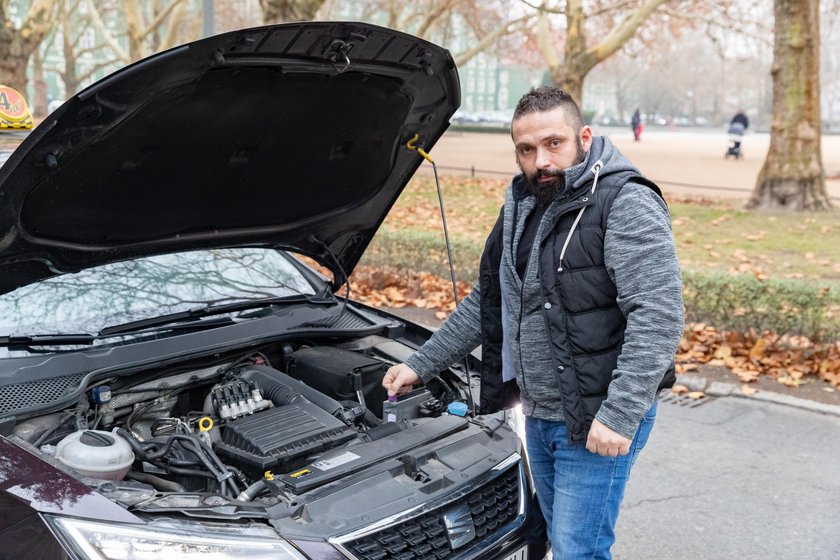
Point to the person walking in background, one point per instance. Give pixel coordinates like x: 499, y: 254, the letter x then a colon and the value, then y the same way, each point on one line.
x: 578, y: 309
x: 740, y: 121
x: 636, y: 124
x: 737, y: 127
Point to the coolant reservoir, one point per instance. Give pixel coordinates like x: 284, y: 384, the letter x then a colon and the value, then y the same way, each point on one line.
x: 96, y: 454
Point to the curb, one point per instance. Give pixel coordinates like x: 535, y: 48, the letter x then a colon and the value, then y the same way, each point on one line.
x: 720, y: 389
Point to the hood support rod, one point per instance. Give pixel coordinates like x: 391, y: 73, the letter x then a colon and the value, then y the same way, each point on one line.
x: 411, y: 145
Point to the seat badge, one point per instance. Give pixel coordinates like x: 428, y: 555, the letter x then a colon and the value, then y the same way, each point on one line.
x: 459, y: 525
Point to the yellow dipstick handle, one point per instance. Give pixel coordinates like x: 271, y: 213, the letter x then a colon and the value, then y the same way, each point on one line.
x: 410, y: 145
x: 205, y: 424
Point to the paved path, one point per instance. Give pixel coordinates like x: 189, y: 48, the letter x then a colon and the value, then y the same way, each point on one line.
x: 734, y: 478
x: 673, y: 158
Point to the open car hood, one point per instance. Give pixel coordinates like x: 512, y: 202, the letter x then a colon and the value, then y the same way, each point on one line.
x: 292, y: 136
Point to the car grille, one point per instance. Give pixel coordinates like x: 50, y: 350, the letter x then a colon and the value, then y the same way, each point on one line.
x: 492, y: 506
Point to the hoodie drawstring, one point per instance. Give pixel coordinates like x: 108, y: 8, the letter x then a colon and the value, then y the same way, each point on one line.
x: 596, y: 170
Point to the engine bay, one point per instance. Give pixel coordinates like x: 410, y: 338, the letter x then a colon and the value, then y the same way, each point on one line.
x: 262, y: 427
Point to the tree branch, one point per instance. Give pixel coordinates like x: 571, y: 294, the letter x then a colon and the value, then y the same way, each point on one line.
x: 612, y: 8
x: 171, y: 33
x: 103, y: 31
x: 160, y: 18
x: 542, y: 8
x: 81, y: 78
x: 546, y: 48
x: 733, y: 25
x: 433, y: 16
x: 620, y: 34
x: 82, y: 52
x: 38, y: 19
x: 490, y: 38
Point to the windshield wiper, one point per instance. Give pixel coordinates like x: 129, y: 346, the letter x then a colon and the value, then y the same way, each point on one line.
x: 47, y: 340
x: 208, y: 310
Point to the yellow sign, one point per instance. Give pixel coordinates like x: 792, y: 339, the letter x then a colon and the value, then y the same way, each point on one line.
x: 14, y: 112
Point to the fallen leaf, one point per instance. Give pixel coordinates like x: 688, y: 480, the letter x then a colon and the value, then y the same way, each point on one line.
x: 758, y: 349
x: 747, y: 390
x: 723, y: 352
x: 679, y: 389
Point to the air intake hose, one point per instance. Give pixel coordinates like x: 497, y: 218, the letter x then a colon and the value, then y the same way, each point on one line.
x: 283, y: 389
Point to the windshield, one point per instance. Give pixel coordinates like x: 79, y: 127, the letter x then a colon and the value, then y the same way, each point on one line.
x: 90, y: 300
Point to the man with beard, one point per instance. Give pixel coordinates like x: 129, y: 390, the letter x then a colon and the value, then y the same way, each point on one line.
x: 579, y: 312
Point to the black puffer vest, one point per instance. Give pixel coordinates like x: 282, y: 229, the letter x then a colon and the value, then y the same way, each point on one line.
x: 584, y: 322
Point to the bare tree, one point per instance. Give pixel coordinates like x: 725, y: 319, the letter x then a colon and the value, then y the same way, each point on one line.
x: 486, y: 23
x: 579, y: 58
x: 150, y: 27
x: 278, y: 11
x: 792, y: 177
x: 18, y: 43
x: 75, y: 33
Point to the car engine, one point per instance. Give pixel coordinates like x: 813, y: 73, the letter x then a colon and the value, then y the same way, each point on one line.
x: 258, y: 428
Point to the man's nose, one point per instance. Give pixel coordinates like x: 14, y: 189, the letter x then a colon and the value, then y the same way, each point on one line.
x: 543, y: 161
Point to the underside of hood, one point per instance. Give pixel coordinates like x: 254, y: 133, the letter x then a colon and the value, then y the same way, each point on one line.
x: 292, y: 136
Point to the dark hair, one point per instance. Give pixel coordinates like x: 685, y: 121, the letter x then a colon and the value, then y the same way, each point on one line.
x: 548, y: 98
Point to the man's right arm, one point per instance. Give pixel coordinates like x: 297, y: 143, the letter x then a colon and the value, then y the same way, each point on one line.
x: 459, y: 335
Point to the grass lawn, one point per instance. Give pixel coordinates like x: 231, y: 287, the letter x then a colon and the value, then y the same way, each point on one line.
x: 710, y: 236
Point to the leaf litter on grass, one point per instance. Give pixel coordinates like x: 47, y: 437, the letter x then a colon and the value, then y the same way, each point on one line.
x: 709, y: 234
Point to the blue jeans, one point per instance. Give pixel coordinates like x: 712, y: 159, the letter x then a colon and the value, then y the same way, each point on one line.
x: 579, y: 491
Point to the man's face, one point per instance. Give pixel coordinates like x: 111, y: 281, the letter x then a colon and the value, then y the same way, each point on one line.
x: 545, y: 146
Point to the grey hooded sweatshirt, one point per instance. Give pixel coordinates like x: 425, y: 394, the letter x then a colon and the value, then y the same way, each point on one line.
x: 641, y: 260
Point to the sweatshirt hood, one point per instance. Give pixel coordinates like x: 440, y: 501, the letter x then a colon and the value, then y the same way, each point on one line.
x: 610, y: 156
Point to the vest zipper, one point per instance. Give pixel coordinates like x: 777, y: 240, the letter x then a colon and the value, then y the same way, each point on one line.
x: 596, y: 170
x: 521, y: 294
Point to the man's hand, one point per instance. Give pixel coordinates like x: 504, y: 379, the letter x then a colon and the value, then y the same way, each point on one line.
x: 399, y: 379
x: 604, y: 441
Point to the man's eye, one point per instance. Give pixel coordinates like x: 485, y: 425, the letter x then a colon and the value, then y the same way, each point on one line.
x: 555, y: 143
x: 525, y: 150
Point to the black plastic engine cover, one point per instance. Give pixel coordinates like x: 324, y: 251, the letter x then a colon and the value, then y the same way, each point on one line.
x: 279, y: 436
x: 331, y: 371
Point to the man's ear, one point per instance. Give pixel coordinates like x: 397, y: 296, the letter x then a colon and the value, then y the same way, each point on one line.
x: 586, y: 138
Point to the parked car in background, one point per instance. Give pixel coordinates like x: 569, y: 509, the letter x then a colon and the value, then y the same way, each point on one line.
x: 175, y: 381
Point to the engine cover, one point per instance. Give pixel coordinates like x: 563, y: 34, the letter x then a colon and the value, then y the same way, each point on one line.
x: 280, y: 435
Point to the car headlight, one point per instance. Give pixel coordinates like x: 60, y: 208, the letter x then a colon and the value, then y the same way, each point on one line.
x: 113, y: 541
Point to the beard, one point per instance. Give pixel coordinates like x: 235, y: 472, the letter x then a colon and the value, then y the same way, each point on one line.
x: 545, y: 192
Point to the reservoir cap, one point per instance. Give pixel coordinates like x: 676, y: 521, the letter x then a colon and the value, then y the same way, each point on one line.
x: 457, y: 408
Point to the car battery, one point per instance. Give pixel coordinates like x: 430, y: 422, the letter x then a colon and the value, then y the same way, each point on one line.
x: 405, y: 407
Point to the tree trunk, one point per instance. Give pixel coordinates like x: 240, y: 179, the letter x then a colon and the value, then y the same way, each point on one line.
x: 16, y: 45
x: 279, y: 11
x: 14, y: 57
x: 135, y: 29
x: 569, y: 80
x: 39, y: 98
x: 792, y: 177
x: 13, y: 70
x: 569, y: 73
x: 69, y: 74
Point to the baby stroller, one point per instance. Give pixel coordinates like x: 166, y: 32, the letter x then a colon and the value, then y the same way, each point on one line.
x: 736, y: 133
